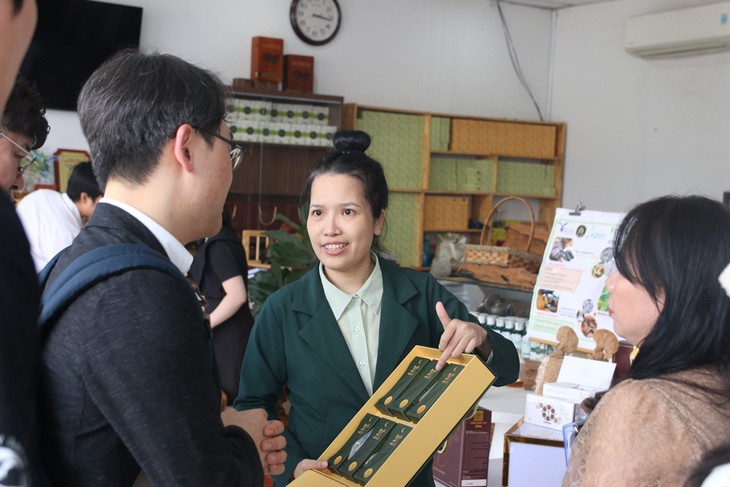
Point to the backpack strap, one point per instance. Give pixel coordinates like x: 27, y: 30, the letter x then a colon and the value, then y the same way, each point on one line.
x: 92, y: 268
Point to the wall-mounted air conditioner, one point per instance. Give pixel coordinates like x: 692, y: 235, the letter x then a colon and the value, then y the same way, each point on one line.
x: 684, y: 32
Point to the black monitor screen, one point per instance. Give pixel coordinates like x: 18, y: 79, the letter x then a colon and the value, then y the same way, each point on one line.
x: 72, y: 39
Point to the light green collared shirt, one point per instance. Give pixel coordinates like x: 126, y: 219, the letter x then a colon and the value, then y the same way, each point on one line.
x: 358, y: 316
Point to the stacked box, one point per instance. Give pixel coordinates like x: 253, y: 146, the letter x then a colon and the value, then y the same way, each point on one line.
x: 442, y: 174
x: 440, y: 133
x: 474, y: 175
x: 517, y: 177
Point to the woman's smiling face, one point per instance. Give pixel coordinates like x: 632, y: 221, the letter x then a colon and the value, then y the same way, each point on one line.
x: 341, y: 226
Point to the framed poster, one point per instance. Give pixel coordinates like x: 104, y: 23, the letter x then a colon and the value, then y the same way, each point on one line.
x: 67, y: 159
x: 571, y: 286
x: 43, y: 173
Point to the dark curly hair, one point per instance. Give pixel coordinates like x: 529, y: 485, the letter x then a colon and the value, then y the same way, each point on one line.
x: 25, y: 114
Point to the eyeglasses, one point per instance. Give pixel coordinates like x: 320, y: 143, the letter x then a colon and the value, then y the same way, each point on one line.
x: 237, y: 151
x: 28, y: 156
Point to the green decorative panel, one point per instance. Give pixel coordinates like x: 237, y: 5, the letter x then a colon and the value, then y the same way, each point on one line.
x: 440, y: 133
x: 442, y: 174
x: 529, y: 178
x: 400, y: 234
x: 474, y: 175
x: 397, y: 143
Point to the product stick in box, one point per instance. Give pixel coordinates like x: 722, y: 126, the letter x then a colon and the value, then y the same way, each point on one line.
x: 406, y: 379
x: 431, y: 395
x: 378, y: 458
x: 427, y: 376
x: 365, y: 447
x: 354, y: 443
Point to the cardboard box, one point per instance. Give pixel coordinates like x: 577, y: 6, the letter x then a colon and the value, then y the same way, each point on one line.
x: 464, y: 461
x: 550, y: 412
x: 415, y: 449
x: 533, y: 455
x: 267, y: 59
x: 298, y: 73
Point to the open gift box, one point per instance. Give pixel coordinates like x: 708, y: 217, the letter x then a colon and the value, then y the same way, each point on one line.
x: 560, y: 401
x: 389, y: 440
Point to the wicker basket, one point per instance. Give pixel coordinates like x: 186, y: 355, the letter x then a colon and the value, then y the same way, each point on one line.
x: 502, y: 256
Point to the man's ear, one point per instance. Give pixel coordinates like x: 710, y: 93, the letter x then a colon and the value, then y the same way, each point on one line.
x: 182, y: 146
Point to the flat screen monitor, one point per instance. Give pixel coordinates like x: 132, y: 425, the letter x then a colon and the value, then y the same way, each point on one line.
x: 72, y: 38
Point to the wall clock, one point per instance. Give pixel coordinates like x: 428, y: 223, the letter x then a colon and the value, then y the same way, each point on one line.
x: 316, y: 22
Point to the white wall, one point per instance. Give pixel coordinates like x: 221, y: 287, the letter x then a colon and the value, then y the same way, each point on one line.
x: 431, y: 55
x: 637, y: 128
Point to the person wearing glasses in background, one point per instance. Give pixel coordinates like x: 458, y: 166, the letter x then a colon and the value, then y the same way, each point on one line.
x: 23, y: 128
x: 19, y: 296
x: 128, y: 384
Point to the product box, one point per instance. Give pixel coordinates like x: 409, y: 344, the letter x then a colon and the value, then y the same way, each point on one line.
x: 411, y: 451
x: 550, y: 412
x: 414, y: 368
x: 371, y: 443
x: 267, y: 59
x: 376, y: 459
x: 298, y: 73
x: 420, y: 407
x: 465, y: 459
x: 568, y: 390
x: 427, y: 376
x: 533, y: 455
x: 353, y: 443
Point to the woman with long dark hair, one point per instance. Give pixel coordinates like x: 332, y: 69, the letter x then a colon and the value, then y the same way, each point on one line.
x: 652, y: 428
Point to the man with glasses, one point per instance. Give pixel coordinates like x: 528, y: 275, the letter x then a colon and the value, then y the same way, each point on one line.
x: 19, y: 296
x: 23, y: 128
x: 128, y: 380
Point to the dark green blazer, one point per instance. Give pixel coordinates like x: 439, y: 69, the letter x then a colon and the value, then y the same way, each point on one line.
x: 296, y: 343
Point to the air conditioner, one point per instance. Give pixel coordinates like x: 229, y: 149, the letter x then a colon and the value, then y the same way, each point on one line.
x: 684, y: 32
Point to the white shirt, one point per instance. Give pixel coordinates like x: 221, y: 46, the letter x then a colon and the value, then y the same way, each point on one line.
x: 358, y: 316
x: 51, y: 222
x: 178, y: 254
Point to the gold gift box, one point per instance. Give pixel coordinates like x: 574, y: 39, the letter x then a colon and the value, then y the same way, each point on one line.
x: 415, y: 449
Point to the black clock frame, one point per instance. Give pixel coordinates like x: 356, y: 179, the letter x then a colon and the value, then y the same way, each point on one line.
x: 302, y: 36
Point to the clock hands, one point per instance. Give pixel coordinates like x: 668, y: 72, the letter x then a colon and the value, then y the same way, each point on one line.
x: 317, y: 16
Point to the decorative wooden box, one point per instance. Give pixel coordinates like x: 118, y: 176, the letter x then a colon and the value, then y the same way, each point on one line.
x: 298, y: 73
x: 424, y: 437
x: 267, y: 59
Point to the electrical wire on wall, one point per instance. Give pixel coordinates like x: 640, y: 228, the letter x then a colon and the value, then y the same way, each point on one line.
x: 515, y: 62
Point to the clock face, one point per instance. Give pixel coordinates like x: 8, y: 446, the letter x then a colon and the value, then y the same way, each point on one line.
x: 316, y: 22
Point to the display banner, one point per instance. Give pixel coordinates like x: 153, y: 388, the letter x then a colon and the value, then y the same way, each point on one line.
x: 571, y: 286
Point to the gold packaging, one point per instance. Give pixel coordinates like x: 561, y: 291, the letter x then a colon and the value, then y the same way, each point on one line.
x: 415, y: 449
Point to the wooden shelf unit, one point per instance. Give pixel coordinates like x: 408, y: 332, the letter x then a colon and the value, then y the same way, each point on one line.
x: 407, y: 143
x: 272, y: 175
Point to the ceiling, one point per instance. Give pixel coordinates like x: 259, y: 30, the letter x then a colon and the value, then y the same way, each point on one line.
x: 552, y: 4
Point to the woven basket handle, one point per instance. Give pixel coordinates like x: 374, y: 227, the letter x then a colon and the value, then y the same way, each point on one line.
x: 494, y: 209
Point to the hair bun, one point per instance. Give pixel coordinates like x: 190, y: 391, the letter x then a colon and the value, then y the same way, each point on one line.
x: 351, y: 141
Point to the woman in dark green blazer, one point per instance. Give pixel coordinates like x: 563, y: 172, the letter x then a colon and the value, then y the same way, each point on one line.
x: 330, y: 358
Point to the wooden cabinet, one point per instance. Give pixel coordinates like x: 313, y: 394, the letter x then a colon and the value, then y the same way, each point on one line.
x: 445, y: 172
x: 283, y: 134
